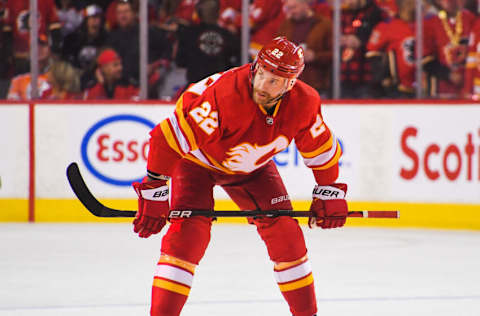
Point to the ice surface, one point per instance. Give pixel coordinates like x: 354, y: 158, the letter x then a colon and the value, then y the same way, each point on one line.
x: 104, y: 269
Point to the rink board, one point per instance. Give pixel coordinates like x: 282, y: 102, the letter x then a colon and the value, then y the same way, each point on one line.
x: 420, y: 158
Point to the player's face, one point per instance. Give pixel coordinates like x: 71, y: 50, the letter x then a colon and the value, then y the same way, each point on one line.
x: 267, y: 87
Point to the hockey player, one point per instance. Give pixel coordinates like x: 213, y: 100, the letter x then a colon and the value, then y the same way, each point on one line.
x: 225, y: 131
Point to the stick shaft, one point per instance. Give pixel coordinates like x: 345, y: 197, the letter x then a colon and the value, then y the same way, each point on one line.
x: 95, y: 207
x: 275, y: 213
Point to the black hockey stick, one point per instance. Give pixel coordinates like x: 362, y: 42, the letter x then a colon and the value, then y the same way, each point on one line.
x: 98, y: 209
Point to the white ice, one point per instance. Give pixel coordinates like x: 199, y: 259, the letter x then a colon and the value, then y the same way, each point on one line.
x: 104, y: 269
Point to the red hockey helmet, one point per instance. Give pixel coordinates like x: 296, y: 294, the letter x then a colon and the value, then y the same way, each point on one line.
x: 281, y: 57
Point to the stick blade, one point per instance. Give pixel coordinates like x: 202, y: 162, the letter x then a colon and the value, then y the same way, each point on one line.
x: 86, y: 197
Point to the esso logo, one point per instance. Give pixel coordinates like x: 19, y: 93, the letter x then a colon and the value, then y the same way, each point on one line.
x: 115, y: 149
x: 437, y: 161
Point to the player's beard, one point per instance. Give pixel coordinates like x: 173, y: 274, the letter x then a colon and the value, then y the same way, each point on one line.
x: 263, y: 98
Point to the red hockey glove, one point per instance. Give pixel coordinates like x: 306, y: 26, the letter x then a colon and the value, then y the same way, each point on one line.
x: 329, y: 206
x: 152, y: 207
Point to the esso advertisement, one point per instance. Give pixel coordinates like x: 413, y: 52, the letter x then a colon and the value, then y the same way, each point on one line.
x: 115, y: 149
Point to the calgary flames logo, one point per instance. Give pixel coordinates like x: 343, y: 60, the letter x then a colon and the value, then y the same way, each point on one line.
x: 247, y: 157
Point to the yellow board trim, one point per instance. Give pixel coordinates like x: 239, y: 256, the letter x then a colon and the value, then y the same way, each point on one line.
x: 297, y: 284
x: 412, y: 215
x: 172, y: 287
x: 13, y: 210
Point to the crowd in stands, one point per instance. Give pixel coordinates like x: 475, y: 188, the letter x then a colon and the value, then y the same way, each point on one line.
x: 89, y: 49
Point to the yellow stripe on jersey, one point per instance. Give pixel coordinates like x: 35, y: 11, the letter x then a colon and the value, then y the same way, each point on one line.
x: 279, y: 266
x: 171, y: 286
x: 290, y: 286
x: 471, y: 61
x: 277, y: 106
x: 177, y: 262
x: 170, y: 136
x: 326, y: 146
x: 333, y: 161
x: 184, y: 125
x: 216, y: 164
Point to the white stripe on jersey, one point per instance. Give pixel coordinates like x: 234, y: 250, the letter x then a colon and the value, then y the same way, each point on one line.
x: 182, y: 140
x: 322, y: 158
x: 294, y: 273
x: 174, y: 274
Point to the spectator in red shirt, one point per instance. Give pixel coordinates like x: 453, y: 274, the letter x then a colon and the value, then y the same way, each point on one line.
x: 17, y: 31
x: 392, y: 55
x: 110, y: 84
x: 265, y: 17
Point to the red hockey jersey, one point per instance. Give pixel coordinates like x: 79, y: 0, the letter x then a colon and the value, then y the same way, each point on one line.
x: 447, y: 41
x: 397, y: 39
x: 217, y: 125
x: 16, y: 20
x: 472, y: 72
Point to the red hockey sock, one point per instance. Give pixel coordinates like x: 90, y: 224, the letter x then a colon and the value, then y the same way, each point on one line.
x: 171, y: 286
x: 295, y: 281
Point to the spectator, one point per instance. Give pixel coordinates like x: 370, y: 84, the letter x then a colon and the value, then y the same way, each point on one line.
x: 265, y: 17
x: 111, y: 13
x: 471, y: 87
x: 313, y: 32
x: 391, y: 53
x: 20, y: 86
x: 359, y: 17
x: 230, y: 15
x: 70, y: 17
x: 83, y: 46
x: 110, y: 84
x: 389, y: 7
x: 64, y: 82
x: 125, y: 38
x: 5, y: 60
x: 173, y: 13
x: 206, y: 48
x: 17, y: 31
x: 322, y: 7
x: 445, y: 48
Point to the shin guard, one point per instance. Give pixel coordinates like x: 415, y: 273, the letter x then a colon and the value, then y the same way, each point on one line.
x: 295, y: 281
x: 171, y: 286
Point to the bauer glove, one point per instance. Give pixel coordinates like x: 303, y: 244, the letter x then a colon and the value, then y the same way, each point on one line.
x: 329, y: 206
x: 153, y: 207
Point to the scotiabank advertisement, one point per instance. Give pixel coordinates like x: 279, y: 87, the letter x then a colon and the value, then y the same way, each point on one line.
x: 409, y: 153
